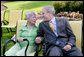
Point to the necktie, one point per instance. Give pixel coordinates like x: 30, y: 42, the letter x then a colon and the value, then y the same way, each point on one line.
x: 51, y: 26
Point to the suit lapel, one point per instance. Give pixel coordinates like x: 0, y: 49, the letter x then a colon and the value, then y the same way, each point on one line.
x: 47, y: 25
x: 50, y: 28
x: 57, y: 26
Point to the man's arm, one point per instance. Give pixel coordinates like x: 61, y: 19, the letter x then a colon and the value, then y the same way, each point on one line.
x: 40, y: 34
x: 70, y: 34
x: 71, y: 37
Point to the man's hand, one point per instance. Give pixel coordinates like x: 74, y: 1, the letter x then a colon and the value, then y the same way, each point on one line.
x: 20, y: 39
x: 67, y: 47
x: 38, y: 40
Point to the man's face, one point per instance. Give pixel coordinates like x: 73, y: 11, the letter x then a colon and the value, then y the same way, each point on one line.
x: 45, y: 15
x: 32, y: 19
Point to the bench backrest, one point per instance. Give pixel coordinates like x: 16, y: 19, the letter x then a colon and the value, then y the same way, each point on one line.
x: 14, y: 15
x: 2, y: 15
x: 77, y: 30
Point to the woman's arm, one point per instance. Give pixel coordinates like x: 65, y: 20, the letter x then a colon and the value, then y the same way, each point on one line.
x: 19, y: 36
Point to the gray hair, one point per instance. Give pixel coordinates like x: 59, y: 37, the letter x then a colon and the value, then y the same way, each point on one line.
x: 49, y: 8
x: 28, y: 14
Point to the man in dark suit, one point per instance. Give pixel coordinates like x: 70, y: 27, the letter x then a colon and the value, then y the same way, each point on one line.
x: 58, y: 35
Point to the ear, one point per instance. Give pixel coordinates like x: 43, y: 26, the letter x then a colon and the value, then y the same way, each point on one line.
x: 27, y: 19
x: 50, y: 13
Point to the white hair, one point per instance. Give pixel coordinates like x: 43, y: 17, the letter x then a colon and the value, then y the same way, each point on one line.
x: 28, y: 14
x: 49, y: 8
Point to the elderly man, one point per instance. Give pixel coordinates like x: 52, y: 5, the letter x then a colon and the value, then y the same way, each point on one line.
x: 28, y: 31
x: 58, y: 35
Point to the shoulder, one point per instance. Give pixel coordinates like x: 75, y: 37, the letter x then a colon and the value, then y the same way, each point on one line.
x: 42, y: 23
x: 38, y: 22
x: 23, y: 26
x: 61, y: 19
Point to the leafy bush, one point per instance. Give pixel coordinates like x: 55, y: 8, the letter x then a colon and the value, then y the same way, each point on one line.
x: 68, y: 6
x: 58, y: 5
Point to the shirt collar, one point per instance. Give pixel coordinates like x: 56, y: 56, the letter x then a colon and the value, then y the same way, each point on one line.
x: 53, y: 19
x: 27, y: 26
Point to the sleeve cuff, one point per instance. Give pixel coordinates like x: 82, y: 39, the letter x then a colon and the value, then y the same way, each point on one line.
x: 70, y: 44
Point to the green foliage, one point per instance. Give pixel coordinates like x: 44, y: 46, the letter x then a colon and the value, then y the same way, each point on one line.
x: 6, y: 36
x: 76, y: 6
x: 58, y: 5
x: 68, y: 6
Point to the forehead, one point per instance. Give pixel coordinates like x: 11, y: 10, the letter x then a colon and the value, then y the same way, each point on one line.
x: 33, y: 15
x: 43, y: 10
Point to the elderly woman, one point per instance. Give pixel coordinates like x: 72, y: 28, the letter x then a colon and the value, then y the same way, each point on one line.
x: 28, y: 31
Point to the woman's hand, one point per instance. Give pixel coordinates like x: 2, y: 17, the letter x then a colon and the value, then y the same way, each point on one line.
x: 20, y: 39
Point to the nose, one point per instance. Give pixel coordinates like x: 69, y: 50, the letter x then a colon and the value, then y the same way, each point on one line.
x: 42, y: 16
x: 35, y: 18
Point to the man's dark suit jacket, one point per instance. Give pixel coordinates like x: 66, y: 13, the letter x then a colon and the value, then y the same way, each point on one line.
x: 64, y: 31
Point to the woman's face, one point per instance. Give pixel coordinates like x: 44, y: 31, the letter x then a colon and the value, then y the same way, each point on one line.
x: 32, y: 19
x: 38, y: 17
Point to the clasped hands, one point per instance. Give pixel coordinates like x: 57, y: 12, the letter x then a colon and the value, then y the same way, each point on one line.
x: 66, y: 48
x: 20, y: 39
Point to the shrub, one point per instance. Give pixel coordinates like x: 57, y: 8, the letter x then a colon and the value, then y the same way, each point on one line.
x: 76, y: 6
x: 68, y: 6
x: 58, y: 5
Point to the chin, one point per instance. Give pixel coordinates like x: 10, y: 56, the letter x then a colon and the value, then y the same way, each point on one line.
x: 46, y: 20
x: 33, y: 22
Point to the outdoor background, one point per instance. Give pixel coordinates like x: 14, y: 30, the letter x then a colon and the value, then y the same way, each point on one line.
x: 71, y: 10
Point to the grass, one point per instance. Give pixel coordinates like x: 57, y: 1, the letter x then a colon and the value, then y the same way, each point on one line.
x: 5, y: 37
x: 20, y: 5
x: 26, y: 6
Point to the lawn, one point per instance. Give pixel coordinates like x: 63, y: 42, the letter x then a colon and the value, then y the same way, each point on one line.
x: 20, y: 5
x: 6, y: 36
x: 26, y: 6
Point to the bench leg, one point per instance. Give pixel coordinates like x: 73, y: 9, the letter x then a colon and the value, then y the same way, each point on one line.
x: 8, y: 30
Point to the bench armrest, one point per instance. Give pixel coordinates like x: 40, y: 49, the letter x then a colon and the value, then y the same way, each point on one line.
x: 4, y: 47
x: 26, y: 46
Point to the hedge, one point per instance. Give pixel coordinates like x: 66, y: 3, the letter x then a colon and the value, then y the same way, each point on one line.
x: 68, y: 6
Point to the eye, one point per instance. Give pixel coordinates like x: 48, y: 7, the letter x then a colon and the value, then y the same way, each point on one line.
x: 42, y: 13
